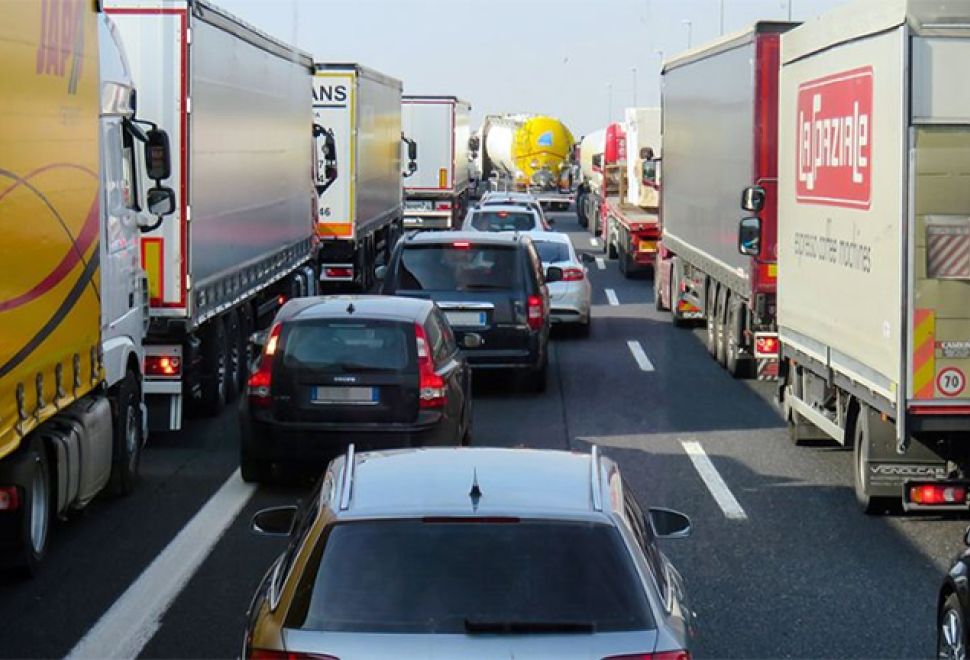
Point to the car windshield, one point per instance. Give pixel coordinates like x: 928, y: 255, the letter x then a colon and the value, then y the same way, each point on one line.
x: 349, y: 346
x: 503, y: 221
x: 462, y: 266
x: 551, y: 252
x: 457, y: 576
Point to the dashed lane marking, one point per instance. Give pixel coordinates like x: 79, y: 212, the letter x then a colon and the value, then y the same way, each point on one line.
x: 125, y: 629
x: 712, y: 479
x: 600, y: 263
x: 640, y: 355
x: 611, y: 297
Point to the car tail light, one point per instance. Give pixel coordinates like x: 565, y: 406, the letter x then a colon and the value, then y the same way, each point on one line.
x: 166, y: 366
x: 937, y: 494
x: 765, y: 346
x: 662, y: 655
x: 338, y: 271
x: 9, y: 498
x: 536, y: 313
x: 261, y: 380
x: 431, y: 386
x: 572, y: 274
x: 265, y: 654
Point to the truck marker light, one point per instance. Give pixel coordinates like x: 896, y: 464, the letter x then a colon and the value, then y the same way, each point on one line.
x: 9, y: 498
x: 766, y: 345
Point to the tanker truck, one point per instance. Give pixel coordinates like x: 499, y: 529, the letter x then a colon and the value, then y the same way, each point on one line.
x: 73, y: 298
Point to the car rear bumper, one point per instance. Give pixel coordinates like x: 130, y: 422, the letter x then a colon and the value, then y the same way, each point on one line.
x: 484, y: 359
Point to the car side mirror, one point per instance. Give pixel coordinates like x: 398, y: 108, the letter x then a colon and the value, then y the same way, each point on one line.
x: 277, y: 521
x: 749, y: 236
x: 753, y: 199
x: 553, y: 274
x: 380, y: 272
x: 161, y: 201
x: 669, y: 524
x: 158, y: 155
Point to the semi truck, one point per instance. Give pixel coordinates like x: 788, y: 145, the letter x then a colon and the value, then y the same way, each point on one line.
x: 360, y: 212
x: 720, y: 133
x: 630, y: 226
x: 436, y: 197
x: 874, y: 245
x: 73, y: 297
x: 590, y: 174
x: 607, y: 166
x: 243, y: 236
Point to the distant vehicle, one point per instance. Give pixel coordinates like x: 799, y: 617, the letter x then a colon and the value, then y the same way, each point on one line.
x: 475, y: 554
x: 522, y: 151
x: 569, y: 297
x: 953, y: 607
x: 372, y: 370
x: 500, y: 217
x: 436, y: 196
x: 492, y: 289
x: 588, y: 190
x: 516, y: 199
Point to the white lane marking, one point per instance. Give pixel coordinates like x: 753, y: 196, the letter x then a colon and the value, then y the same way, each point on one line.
x: 712, y: 479
x: 125, y: 629
x: 594, y: 242
x: 640, y: 355
x: 600, y: 263
x: 611, y: 297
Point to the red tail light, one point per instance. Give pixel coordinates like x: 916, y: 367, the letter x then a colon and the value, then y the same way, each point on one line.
x: 163, y: 365
x: 264, y: 654
x: 572, y: 274
x: 261, y: 380
x: 442, y: 206
x: 536, y: 313
x: 431, y: 386
x: 937, y: 494
x: 766, y: 345
x: 662, y: 655
x: 338, y: 271
x: 9, y: 498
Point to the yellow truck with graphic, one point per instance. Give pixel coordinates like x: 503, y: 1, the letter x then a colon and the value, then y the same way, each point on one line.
x: 73, y: 297
x: 874, y: 245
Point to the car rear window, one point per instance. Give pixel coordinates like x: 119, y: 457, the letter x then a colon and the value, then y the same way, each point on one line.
x: 349, y: 346
x: 424, y: 576
x: 463, y: 266
x: 551, y: 252
x: 503, y: 221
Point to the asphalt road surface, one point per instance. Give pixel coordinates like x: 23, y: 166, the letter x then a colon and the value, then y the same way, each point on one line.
x: 781, y: 563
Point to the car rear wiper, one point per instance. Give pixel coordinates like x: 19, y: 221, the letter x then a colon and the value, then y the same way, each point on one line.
x: 475, y: 626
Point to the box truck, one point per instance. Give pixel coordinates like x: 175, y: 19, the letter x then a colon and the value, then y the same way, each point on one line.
x: 631, y: 226
x: 436, y: 196
x: 874, y: 245
x: 73, y: 298
x: 720, y: 132
x: 242, y: 240
x: 360, y: 215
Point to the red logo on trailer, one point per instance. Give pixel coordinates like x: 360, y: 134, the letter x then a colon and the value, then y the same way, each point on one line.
x: 835, y: 140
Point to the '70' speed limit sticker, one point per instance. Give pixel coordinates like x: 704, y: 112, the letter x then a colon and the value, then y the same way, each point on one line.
x: 950, y: 381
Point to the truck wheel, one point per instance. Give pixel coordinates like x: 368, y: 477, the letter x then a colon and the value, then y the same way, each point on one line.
x: 234, y: 354
x: 861, y: 440
x: 734, y: 329
x: 612, y: 252
x: 35, y: 523
x: 215, y: 371
x: 128, y: 439
x: 951, y: 640
x: 710, y: 315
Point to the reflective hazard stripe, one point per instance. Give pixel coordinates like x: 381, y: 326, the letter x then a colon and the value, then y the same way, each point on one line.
x: 924, y: 329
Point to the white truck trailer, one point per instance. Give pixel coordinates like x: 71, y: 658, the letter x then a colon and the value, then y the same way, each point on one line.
x: 436, y: 197
x: 874, y: 245
x: 242, y: 239
x: 360, y: 216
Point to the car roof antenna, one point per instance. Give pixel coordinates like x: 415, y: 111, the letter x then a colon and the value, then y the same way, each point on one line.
x: 476, y: 492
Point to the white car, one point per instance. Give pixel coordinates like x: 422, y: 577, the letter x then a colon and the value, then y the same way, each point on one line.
x: 516, y: 199
x: 569, y: 297
x: 502, y: 218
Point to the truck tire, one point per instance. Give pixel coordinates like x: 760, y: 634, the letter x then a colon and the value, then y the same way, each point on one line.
x: 710, y: 316
x: 723, y: 298
x: 612, y: 251
x: 128, y: 440
x: 861, y: 438
x: 951, y: 636
x: 215, y: 372
x: 235, y: 354
x: 733, y: 329
x: 36, y: 521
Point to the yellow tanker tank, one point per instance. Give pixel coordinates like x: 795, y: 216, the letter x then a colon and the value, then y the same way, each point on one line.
x: 529, y: 149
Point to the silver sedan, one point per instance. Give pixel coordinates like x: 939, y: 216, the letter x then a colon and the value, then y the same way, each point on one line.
x: 570, y: 295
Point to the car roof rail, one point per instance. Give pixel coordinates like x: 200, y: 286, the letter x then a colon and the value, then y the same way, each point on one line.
x: 596, y: 485
x: 347, y: 483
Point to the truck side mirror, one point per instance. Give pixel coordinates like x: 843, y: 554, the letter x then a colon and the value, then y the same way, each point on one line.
x: 412, y: 156
x: 158, y: 155
x: 753, y: 199
x: 161, y: 201
x: 749, y: 236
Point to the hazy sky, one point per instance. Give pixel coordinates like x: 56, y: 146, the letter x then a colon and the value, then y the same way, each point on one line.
x: 558, y: 57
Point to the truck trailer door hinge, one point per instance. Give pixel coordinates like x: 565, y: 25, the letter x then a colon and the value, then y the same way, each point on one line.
x: 188, y: 105
x: 188, y: 213
x: 188, y: 282
x: 188, y: 35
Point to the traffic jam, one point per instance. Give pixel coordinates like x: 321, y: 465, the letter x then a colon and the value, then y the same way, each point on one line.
x: 297, y: 363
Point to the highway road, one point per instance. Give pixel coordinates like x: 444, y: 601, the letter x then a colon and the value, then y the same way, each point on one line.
x: 781, y: 563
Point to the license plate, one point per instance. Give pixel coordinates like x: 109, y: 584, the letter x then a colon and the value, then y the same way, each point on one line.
x: 648, y: 246
x: 418, y: 205
x: 467, y: 319
x: 352, y: 395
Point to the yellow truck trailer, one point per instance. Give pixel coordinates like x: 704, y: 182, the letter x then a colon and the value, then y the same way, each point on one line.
x: 72, y: 295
